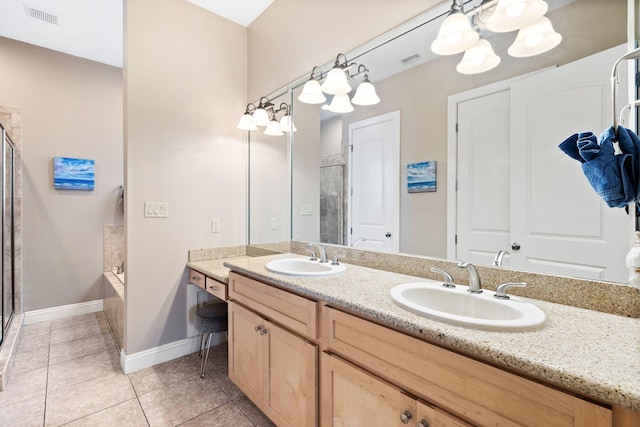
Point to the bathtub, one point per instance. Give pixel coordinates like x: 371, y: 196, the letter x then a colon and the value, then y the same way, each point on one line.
x: 113, y: 306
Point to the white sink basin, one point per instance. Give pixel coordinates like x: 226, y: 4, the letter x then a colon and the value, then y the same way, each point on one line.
x: 304, y: 267
x: 459, y: 307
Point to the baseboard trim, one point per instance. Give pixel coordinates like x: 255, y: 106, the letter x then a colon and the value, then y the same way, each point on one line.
x: 54, y: 313
x: 164, y: 353
x: 153, y: 356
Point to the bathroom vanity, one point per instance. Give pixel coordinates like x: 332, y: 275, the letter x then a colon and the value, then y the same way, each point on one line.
x: 326, y: 350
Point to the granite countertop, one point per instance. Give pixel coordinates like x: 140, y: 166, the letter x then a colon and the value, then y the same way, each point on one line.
x: 215, y: 268
x: 589, y: 352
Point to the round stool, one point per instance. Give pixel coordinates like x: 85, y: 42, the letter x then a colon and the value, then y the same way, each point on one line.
x: 209, y: 319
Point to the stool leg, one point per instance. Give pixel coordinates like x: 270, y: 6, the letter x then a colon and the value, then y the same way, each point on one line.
x: 201, y: 338
x: 206, y: 356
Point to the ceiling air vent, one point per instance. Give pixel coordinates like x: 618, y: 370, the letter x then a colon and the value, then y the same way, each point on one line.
x: 42, y: 15
x: 410, y: 59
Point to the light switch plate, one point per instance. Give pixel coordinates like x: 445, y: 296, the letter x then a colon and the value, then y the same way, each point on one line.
x: 274, y: 223
x: 307, y: 209
x: 215, y: 225
x: 156, y: 209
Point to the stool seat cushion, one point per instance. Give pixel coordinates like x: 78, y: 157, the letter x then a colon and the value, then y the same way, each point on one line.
x: 211, y: 318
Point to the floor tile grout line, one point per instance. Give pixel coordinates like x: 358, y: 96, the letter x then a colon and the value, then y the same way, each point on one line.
x: 138, y: 399
x: 93, y: 413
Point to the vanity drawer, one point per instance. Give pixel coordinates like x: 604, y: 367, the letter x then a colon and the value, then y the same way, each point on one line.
x: 297, y: 313
x: 481, y: 393
x: 197, y: 278
x: 216, y: 288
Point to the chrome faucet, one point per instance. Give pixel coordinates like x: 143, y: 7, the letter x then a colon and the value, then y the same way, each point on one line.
x: 120, y: 268
x: 357, y: 242
x: 321, y: 251
x: 497, y: 261
x: 475, y: 287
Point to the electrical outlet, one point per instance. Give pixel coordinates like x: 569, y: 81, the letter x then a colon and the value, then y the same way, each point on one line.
x: 215, y: 225
x: 274, y: 223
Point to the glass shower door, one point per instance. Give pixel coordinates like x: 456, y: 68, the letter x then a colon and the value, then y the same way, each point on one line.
x: 8, y: 266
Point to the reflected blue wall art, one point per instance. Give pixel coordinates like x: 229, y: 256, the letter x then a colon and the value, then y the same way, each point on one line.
x: 73, y: 174
x: 421, y: 177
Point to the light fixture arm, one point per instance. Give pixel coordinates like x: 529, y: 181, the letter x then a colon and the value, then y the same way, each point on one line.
x: 361, y: 70
x: 283, y: 107
x: 317, y: 76
x: 250, y: 108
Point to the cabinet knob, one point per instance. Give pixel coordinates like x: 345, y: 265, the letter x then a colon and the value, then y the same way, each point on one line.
x: 264, y: 331
x: 515, y: 246
x: 215, y: 288
x: 405, y: 417
x: 195, y: 278
x: 258, y: 328
x: 423, y: 423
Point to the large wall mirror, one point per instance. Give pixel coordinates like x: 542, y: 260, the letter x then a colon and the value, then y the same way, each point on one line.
x: 517, y: 192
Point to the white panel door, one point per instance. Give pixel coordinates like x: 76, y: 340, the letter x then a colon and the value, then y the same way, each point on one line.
x: 375, y: 182
x: 483, y: 225
x: 559, y: 222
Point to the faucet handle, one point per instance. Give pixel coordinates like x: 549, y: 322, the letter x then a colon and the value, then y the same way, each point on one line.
x: 313, y: 254
x: 448, y: 280
x: 335, y: 259
x: 501, y: 291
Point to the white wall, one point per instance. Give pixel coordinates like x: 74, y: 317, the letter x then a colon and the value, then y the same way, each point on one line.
x: 70, y: 107
x: 185, y: 89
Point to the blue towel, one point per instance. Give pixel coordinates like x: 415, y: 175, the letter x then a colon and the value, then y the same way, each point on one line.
x: 613, y: 177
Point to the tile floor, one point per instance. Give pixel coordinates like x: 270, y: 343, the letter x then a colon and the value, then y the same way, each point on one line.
x: 67, y: 372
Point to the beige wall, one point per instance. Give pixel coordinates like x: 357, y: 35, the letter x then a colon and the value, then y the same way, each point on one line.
x: 70, y: 107
x: 292, y: 36
x: 185, y: 88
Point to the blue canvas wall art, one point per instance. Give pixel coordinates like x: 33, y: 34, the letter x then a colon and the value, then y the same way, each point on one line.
x: 73, y: 174
x: 421, y: 177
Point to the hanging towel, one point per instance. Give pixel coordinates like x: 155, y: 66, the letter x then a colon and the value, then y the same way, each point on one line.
x: 613, y: 177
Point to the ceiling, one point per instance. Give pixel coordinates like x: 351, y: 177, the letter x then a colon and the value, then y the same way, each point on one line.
x: 92, y: 29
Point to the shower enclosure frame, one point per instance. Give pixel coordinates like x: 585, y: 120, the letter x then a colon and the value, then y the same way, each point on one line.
x: 7, y: 284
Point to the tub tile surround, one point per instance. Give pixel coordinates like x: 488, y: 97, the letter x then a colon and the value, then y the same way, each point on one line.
x: 568, y: 351
x: 112, y: 257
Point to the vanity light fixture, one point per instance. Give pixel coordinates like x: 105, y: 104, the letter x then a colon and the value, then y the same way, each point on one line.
x: 534, y: 39
x: 511, y: 15
x: 341, y: 104
x: 246, y: 121
x: 536, y: 34
x: 455, y: 34
x: 366, y: 92
x: 311, y: 92
x: 337, y: 84
x: 260, y: 115
x: 478, y: 59
x: 254, y: 117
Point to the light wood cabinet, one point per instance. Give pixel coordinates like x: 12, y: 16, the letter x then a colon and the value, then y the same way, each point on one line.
x: 354, y: 397
x: 216, y: 288
x: 276, y: 368
x: 472, y: 390
x: 196, y: 278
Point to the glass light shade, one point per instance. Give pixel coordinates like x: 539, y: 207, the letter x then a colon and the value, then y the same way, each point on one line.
x: 455, y: 35
x: 535, y: 39
x: 511, y: 15
x: 478, y: 59
x: 260, y: 117
x: 246, y: 122
x: 340, y: 104
x: 312, y: 93
x: 273, y: 128
x: 286, y: 124
x: 365, y: 94
x: 336, y: 82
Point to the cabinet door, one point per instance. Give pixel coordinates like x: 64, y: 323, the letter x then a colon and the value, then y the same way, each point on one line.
x: 292, y: 379
x: 353, y: 397
x: 429, y: 416
x: 247, y: 360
